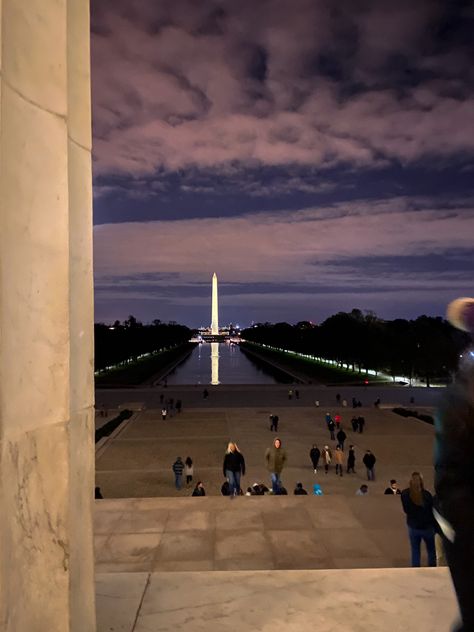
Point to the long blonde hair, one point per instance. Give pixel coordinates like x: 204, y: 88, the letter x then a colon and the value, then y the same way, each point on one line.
x: 231, y: 445
x: 416, y: 489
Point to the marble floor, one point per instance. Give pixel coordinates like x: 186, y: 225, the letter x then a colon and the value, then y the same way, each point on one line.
x: 250, y: 533
x: 368, y: 600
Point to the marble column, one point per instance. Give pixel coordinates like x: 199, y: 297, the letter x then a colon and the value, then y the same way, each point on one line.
x: 46, y: 319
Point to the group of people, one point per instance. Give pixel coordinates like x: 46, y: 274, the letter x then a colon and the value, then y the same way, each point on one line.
x: 170, y: 406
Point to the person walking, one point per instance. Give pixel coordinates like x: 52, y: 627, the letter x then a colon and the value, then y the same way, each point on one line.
x: 297, y: 393
x: 355, y: 424
x: 362, y: 491
x: 233, y: 468
x: 417, y: 503
x: 199, y: 490
x: 369, y: 461
x: 314, y: 455
x: 337, y: 421
x: 331, y: 428
x: 164, y: 412
x: 341, y: 437
x: 361, y: 424
x: 205, y: 393
x: 274, y: 419
x: 178, y: 468
x: 339, y: 459
x: 327, y: 458
x: 338, y: 399
x: 275, y: 460
x: 179, y: 406
x: 351, y: 460
x: 290, y: 394
x: 188, y: 470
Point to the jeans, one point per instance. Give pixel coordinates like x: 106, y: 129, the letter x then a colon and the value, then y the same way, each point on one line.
x: 276, y: 482
x: 234, y: 482
x: 177, y: 480
x: 370, y: 474
x: 416, y: 536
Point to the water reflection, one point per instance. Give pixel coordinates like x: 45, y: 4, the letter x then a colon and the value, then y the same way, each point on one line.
x: 214, y: 363
x: 223, y: 363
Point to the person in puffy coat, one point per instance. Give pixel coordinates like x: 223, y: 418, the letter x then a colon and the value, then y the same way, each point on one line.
x: 275, y: 460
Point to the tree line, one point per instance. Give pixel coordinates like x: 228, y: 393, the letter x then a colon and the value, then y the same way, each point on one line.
x: 130, y: 339
x: 426, y: 348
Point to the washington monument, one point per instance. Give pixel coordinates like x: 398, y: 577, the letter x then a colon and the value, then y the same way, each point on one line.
x: 215, y: 308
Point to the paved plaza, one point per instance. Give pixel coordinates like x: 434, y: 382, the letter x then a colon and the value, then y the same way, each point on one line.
x: 136, y: 461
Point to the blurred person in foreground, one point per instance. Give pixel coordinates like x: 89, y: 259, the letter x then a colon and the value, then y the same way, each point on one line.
x: 454, y: 471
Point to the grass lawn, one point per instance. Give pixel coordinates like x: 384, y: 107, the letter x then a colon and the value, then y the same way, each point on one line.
x: 142, y: 370
x: 312, y: 369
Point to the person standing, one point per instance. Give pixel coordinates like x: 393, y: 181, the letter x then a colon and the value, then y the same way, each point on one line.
x: 351, y: 460
x: 290, y: 393
x: 338, y: 399
x: 188, y: 470
x: 297, y: 393
x: 361, y: 424
x: 164, y: 412
x: 417, y: 503
x: 339, y: 458
x: 454, y: 481
x: 178, y: 468
x: 369, y: 461
x: 341, y: 437
x: 355, y: 424
x: 393, y: 489
x: 331, y: 428
x: 179, y: 406
x: 327, y: 458
x: 337, y: 421
x: 274, y: 419
x: 233, y: 468
x: 315, y: 455
x: 275, y: 460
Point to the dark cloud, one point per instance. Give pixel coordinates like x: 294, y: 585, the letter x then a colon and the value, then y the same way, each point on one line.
x: 289, y: 146
x: 361, y: 84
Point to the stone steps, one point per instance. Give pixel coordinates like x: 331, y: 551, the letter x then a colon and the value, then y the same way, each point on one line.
x: 367, y: 600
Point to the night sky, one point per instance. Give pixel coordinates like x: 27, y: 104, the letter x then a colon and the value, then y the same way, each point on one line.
x: 317, y: 155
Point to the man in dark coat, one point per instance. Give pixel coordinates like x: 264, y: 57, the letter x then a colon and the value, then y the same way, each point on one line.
x: 331, y: 428
x: 369, y: 462
x: 341, y: 437
x: 351, y: 459
x: 454, y: 473
x: 314, y: 455
x: 274, y: 419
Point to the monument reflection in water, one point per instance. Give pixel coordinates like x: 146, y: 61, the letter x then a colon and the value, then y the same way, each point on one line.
x: 214, y: 363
